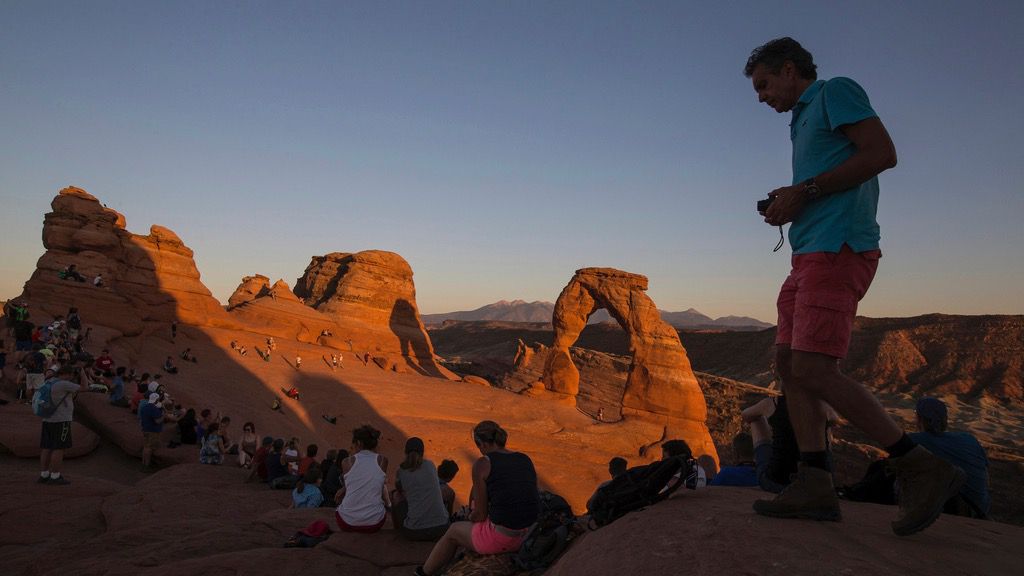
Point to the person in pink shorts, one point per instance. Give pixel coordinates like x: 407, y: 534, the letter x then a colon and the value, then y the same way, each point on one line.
x: 504, y: 498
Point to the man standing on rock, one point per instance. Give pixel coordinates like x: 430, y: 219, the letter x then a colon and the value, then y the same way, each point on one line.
x: 839, y: 148
x: 56, y: 433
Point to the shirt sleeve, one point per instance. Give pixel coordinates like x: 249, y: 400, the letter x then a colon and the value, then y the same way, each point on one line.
x: 846, y: 103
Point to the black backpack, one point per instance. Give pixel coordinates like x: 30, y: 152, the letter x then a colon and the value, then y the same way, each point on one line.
x: 640, y: 487
x: 547, y: 539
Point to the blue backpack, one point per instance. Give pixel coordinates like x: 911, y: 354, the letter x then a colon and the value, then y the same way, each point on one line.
x: 42, y: 401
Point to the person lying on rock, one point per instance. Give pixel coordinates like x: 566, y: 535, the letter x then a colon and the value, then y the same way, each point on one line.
x: 418, y: 511
x: 505, y: 502
x: 364, y: 495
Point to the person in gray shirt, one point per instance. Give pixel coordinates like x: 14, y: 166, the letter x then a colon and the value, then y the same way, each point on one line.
x: 56, y: 433
x: 418, y: 511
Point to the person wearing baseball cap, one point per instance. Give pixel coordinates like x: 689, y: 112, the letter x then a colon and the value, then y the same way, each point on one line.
x: 960, y: 449
x: 151, y: 419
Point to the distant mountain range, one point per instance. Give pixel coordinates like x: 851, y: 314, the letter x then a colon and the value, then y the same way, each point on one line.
x: 539, y: 311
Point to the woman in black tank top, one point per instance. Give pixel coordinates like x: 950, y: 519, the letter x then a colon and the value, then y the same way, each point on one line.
x: 504, y: 500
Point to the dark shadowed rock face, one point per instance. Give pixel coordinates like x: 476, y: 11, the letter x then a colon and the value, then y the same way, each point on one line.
x: 372, y: 297
x: 146, y: 279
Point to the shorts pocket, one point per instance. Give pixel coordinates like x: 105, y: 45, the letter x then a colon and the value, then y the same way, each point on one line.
x: 826, y: 313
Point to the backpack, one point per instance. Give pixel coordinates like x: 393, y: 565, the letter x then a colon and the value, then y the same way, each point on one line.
x: 639, y: 487
x: 547, y: 539
x: 74, y: 322
x: 42, y: 401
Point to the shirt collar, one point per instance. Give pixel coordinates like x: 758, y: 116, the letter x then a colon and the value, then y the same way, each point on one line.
x: 811, y: 92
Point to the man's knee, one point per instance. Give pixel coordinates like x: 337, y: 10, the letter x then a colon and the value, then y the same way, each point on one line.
x: 811, y: 370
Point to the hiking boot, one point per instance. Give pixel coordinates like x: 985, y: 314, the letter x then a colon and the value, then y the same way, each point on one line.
x: 43, y: 480
x: 810, y: 495
x: 61, y: 481
x: 926, y: 482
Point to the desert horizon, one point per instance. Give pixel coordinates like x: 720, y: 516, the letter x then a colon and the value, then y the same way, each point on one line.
x: 511, y: 289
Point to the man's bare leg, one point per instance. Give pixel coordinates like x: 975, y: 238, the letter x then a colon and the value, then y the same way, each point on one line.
x: 816, y: 378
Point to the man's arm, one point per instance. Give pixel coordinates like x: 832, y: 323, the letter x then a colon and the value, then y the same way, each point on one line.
x: 875, y: 154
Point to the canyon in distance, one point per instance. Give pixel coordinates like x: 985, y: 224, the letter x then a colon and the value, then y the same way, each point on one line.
x: 601, y: 372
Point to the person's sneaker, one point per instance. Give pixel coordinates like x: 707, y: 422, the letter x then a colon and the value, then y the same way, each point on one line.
x: 61, y: 480
x: 43, y: 480
x: 926, y: 482
x: 810, y: 495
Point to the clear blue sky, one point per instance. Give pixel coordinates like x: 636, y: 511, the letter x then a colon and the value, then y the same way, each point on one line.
x: 499, y: 146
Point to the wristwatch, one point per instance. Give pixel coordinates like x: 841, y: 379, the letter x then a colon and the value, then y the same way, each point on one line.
x: 811, y: 190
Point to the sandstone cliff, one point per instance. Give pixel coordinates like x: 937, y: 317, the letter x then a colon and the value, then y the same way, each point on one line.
x: 372, y: 298
x: 147, y: 280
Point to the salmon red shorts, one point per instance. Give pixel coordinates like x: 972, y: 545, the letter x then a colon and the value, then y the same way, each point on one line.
x: 818, y: 301
x: 487, y: 539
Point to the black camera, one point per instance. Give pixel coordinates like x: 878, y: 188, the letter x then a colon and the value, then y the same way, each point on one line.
x: 762, y: 205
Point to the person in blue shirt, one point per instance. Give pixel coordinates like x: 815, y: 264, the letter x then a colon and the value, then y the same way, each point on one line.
x: 839, y: 147
x: 117, y: 397
x: 744, y: 473
x: 960, y: 449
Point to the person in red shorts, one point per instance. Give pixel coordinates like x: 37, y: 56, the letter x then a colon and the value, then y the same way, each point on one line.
x: 840, y: 146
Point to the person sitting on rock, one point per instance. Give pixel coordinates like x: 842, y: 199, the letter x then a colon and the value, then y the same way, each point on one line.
x: 292, y: 393
x: 278, y: 475
x: 744, y: 472
x: 298, y: 361
x: 213, y: 449
x: 291, y: 450
x: 242, y: 351
x: 206, y: 419
x: 247, y: 444
x: 169, y: 366
x: 445, y: 474
x: 418, y: 510
x: 616, y: 467
x: 151, y: 418
x: 104, y: 364
x: 258, y: 464
x: 505, y: 502
x: 960, y: 449
x: 309, y: 459
x: 188, y: 356
x: 364, y: 494
x: 98, y: 281
x: 187, y: 425
x: 333, y: 480
x: 117, y: 397
x: 234, y: 344
x: 307, y: 492
x: 230, y: 446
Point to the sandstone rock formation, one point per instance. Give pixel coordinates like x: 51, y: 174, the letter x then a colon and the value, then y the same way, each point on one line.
x: 251, y: 288
x: 661, y: 385
x: 372, y: 297
x: 146, y: 279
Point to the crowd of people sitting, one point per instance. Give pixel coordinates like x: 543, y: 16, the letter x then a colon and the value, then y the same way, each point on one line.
x: 504, y: 501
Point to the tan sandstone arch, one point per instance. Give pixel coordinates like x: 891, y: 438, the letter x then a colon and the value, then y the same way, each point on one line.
x: 661, y: 385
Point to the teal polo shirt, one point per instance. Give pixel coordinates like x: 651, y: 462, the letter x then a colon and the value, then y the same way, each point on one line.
x: 846, y: 217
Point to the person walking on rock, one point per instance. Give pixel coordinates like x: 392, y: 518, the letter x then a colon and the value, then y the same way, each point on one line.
x: 840, y: 146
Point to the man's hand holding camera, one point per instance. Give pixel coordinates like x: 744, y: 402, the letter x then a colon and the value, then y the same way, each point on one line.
x: 786, y: 204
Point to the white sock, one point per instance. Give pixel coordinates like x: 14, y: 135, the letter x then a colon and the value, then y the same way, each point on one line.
x: 54, y: 475
x: 44, y: 474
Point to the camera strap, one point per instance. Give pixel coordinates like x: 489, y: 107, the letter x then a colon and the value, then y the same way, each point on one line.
x: 782, y: 240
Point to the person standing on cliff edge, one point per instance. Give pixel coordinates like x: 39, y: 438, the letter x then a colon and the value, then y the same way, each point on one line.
x: 839, y: 147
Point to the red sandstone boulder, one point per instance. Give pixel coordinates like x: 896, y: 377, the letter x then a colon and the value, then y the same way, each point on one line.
x: 372, y: 297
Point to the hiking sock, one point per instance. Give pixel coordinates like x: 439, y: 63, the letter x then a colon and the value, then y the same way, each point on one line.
x: 54, y: 475
x: 901, y: 447
x: 817, y: 460
x: 44, y: 474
